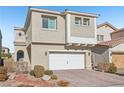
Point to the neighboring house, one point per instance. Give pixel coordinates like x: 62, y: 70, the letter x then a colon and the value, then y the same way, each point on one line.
x: 102, y: 53
x: 104, y: 31
x: 20, y: 52
x: 56, y: 40
x: 116, y: 50
x: 0, y: 42
x: 111, y: 50
x: 5, y: 50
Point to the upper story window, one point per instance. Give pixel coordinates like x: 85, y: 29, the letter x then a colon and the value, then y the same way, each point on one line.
x: 20, y: 34
x: 77, y: 20
x: 100, y: 37
x: 86, y: 21
x: 49, y: 22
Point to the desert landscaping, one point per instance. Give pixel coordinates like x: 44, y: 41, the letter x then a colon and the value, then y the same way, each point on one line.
x: 14, y: 74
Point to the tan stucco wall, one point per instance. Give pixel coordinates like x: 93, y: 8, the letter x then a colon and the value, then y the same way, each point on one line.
x: 29, y: 34
x: 19, y: 38
x: 80, y: 30
x: 88, y: 59
x: 47, y: 36
x: 23, y: 48
x: 118, y: 48
x: 117, y: 35
x: 105, y: 30
x: 40, y: 54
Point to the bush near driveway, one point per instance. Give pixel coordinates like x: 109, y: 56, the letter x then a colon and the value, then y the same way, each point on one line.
x: 38, y: 71
x: 112, y: 68
x: 107, y: 67
x: 54, y: 77
x: 48, y: 72
x: 103, y: 67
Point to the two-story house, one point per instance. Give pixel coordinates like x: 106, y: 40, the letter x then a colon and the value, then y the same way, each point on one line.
x: 104, y: 31
x: 102, y: 52
x: 56, y: 40
x: 110, y: 47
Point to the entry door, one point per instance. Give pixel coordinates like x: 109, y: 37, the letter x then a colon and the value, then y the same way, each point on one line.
x: 59, y: 61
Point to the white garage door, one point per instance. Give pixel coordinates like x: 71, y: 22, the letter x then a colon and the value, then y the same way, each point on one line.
x: 59, y: 61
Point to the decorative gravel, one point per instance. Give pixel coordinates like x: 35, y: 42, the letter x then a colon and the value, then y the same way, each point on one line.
x: 25, y: 80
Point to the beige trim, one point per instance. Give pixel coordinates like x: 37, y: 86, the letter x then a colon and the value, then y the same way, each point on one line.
x: 48, y: 43
x: 81, y: 13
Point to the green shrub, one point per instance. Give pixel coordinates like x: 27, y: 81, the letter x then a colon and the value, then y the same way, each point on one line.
x: 112, y: 68
x: 6, y: 55
x: 54, y: 77
x: 38, y: 71
x: 103, y: 67
x: 32, y: 73
x: 48, y: 72
x: 107, y: 67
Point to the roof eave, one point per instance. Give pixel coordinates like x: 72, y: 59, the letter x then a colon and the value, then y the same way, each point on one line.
x: 80, y: 13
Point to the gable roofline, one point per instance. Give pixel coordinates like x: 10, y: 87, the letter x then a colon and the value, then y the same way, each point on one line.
x: 80, y: 13
x: 28, y: 18
x: 112, y: 43
x: 37, y: 10
x: 118, y: 31
x: 107, y: 23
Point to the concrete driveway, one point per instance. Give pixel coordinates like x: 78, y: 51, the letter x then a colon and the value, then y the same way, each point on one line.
x: 89, y: 78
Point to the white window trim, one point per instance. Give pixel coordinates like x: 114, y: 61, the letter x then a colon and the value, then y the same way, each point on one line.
x: 80, y: 21
x: 83, y: 22
x: 50, y: 28
x: 99, y: 38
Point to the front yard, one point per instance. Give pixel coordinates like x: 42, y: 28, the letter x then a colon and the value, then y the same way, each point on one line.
x: 20, y: 75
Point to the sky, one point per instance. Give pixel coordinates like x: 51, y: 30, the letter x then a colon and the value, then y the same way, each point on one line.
x: 11, y: 17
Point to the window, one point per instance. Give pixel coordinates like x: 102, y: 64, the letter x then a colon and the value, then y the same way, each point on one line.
x: 86, y: 21
x: 49, y: 22
x: 100, y: 37
x: 20, y: 34
x: 77, y: 20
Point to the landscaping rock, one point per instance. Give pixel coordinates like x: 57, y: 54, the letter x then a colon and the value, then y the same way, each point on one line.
x: 46, y: 77
x: 12, y: 76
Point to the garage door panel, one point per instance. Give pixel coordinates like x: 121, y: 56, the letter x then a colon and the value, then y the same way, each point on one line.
x: 59, y: 61
x: 76, y: 61
x: 118, y: 59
